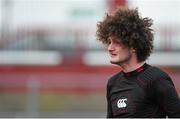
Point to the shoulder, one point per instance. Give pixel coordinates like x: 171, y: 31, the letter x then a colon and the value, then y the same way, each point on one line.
x: 155, y: 74
x: 162, y: 77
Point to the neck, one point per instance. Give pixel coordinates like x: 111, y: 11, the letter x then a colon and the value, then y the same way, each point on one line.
x: 131, y: 66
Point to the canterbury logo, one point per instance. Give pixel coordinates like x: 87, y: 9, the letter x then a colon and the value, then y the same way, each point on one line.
x: 121, y: 103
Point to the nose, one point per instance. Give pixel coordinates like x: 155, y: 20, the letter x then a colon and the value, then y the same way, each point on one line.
x: 110, y: 47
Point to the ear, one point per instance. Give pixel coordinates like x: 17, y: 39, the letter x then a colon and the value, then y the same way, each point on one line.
x: 132, y: 50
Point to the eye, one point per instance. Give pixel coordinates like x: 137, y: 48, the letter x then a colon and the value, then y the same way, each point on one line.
x: 117, y: 41
x: 109, y: 42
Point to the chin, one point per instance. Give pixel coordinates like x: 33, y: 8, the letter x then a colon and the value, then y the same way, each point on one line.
x: 114, y: 62
x: 118, y: 61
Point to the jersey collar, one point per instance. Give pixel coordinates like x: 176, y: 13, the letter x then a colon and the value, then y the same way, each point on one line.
x: 137, y: 71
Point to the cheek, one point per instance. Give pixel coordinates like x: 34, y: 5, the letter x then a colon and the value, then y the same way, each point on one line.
x: 123, y: 52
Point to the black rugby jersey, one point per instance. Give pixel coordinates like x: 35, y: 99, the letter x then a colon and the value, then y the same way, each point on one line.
x: 145, y: 92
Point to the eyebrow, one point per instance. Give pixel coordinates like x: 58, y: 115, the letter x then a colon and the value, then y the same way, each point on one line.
x: 115, y: 39
x: 112, y: 38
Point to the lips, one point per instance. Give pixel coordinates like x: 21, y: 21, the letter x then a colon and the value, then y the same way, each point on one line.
x: 113, y: 54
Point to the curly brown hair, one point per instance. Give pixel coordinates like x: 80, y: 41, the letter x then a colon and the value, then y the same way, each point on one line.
x: 129, y: 27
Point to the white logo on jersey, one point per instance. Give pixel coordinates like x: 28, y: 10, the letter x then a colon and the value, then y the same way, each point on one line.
x: 121, y: 103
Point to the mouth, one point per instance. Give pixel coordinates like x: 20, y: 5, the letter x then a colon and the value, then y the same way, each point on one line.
x: 113, y: 54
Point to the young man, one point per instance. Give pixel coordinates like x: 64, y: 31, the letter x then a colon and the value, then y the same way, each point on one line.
x: 139, y: 90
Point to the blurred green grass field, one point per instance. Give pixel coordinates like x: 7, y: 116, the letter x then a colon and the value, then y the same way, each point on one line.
x: 52, y: 105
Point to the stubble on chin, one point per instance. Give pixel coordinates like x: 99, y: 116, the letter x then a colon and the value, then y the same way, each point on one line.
x: 116, y: 63
x: 121, y: 62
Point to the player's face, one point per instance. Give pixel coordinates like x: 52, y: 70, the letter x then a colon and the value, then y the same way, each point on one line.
x: 119, y: 53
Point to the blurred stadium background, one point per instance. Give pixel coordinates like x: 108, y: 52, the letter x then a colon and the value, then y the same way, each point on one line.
x: 51, y: 64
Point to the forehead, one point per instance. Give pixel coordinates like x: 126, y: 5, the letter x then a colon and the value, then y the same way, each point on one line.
x: 113, y: 38
x: 117, y: 41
